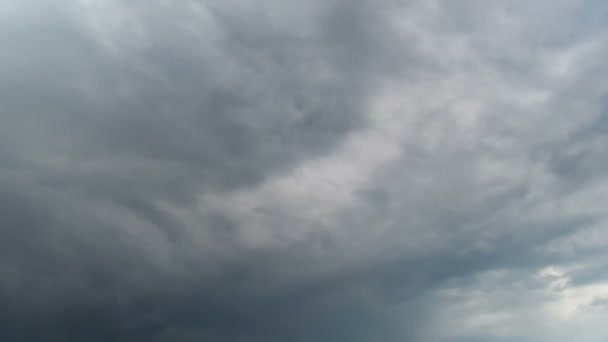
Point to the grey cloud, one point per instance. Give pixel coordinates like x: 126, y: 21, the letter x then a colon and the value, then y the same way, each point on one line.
x: 269, y: 97
x: 145, y: 149
x: 96, y: 129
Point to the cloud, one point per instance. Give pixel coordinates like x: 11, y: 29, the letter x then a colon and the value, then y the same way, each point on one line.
x: 302, y: 171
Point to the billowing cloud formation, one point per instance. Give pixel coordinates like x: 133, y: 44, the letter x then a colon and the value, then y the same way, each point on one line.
x: 303, y: 170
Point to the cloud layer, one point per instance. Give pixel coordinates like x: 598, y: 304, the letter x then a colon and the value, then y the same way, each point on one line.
x: 303, y: 171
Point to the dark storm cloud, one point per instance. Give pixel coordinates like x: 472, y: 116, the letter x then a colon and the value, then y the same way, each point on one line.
x: 101, y: 122
x: 185, y: 171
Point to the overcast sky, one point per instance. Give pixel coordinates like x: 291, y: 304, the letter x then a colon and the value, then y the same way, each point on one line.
x: 303, y: 170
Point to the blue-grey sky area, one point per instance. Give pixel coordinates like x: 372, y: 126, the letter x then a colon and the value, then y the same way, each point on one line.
x: 304, y: 171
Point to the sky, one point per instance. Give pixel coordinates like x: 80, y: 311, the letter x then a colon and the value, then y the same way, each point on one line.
x: 288, y: 170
